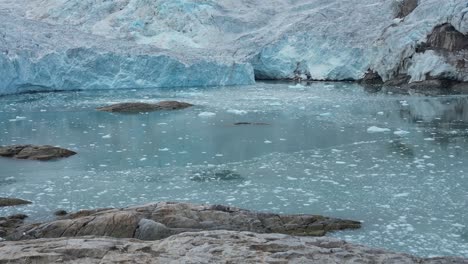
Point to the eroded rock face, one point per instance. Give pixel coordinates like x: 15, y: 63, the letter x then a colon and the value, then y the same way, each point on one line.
x: 12, y: 202
x: 144, y: 107
x: 405, y: 7
x: 160, y: 220
x: 446, y: 37
x: 204, y: 247
x: 371, y: 78
x: 33, y: 152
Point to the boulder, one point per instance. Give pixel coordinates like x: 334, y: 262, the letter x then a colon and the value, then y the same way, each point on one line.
x: 204, y: 247
x: 163, y: 219
x: 32, y: 152
x: 12, y: 202
x: 144, y: 107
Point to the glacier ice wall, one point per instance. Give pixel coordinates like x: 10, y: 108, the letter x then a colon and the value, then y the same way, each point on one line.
x: 36, y: 56
x: 155, y: 43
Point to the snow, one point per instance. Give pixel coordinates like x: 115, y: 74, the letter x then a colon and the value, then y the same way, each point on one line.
x: 88, y: 44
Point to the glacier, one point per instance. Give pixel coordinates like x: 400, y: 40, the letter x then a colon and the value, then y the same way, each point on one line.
x: 97, y: 44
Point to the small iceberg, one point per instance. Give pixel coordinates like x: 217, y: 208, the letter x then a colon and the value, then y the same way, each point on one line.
x: 400, y: 132
x: 206, y: 114
x: 375, y: 129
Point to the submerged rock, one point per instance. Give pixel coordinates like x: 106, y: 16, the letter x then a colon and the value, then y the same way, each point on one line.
x: 216, y: 175
x: 32, y: 152
x: 144, y: 107
x: 60, y: 213
x: 251, y: 123
x: 205, y: 247
x: 12, y: 202
x: 160, y: 220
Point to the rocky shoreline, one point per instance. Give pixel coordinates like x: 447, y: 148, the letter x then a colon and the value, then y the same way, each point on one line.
x: 218, y: 246
x: 171, y: 232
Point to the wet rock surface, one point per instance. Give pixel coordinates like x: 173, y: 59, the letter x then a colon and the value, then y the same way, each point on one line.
x: 203, y: 247
x: 10, y: 223
x: 251, y: 124
x: 160, y: 220
x: 137, y: 107
x: 33, y: 152
x: 12, y: 201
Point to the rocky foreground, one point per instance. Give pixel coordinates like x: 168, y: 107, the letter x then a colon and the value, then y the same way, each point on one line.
x: 161, y: 220
x: 169, y: 232
x: 202, y: 247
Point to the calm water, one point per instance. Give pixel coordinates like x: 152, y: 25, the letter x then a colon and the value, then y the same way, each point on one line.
x: 396, y: 162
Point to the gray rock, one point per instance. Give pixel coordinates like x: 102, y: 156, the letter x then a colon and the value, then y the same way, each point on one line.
x: 205, y: 247
x: 12, y: 202
x: 144, y: 107
x: 371, y: 78
x: 151, y: 230
x: 32, y: 152
x: 166, y: 218
x: 405, y: 7
x: 10, y: 223
x: 446, y: 37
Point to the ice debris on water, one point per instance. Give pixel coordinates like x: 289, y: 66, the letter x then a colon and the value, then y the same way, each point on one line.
x: 375, y: 129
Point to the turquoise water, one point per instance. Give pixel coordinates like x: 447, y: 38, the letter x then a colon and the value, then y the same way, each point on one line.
x: 395, y: 162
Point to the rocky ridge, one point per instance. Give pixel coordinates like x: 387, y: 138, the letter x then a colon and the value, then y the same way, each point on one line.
x: 160, y: 220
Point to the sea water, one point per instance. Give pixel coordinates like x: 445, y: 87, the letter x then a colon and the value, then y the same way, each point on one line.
x: 395, y: 162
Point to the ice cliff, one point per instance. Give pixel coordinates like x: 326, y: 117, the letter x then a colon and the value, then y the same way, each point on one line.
x: 98, y: 44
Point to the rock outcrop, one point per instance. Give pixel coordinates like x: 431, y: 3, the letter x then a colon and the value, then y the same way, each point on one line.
x: 144, y: 107
x: 9, y: 224
x: 405, y: 7
x: 161, y: 220
x: 12, y: 202
x: 32, y: 152
x: 204, y: 247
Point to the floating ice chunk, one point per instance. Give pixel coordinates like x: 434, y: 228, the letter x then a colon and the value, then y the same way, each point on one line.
x: 107, y: 136
x: 429, y: 139
x: 380, y: 113
x: 375, y: 129
x: 297, y: 86
x: 206, y: 114
x: 163, y: 149
x: 326, y: 114
x: 401, y: 132
x: 291, y: 178
x: 237, y: 112
x: 267, y: 142
x: 401, y: 195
